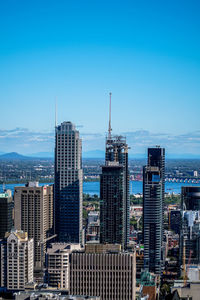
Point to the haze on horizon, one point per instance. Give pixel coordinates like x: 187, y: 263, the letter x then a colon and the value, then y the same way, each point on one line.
x: 146, y: 53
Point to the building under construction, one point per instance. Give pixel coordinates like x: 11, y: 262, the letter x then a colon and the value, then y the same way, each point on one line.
x: 114, y: 191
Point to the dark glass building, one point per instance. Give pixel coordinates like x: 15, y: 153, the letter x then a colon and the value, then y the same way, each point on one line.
x: 190, y: 228
x: 68, y: 184
x: 190, y: 198
x: 175, y: 220
x: 153, y: 209
x: 6, y: 213
x: 114, y: 193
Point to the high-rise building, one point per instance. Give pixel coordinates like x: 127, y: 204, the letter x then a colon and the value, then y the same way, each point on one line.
x: 57, y: 264
x: 34, y: 215
x: 190, y: 198
x: 112, y: 205
x: 3, y: 263
x: 6, y: 213
x: 114, y: 192
x: 16, y: 260
x: 68, y: 183
x: 175, y: 220
x: 153, y: 209
x: 190, y: 228
x: 108, y: 274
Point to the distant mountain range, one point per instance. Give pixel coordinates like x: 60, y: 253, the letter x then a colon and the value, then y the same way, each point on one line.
x: 86, y: 155
x: 17, y: 156
x: 12, y: 156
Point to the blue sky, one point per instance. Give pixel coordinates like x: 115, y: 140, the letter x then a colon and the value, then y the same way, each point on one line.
x: 146, y: 52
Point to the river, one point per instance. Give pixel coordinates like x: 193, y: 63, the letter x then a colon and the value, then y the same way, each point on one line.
x: 135, y: 187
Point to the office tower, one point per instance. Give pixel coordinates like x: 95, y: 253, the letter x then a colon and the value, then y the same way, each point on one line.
x: 57, y: 264
x: 19, y: 260
x: 114, y: 192
x: 68, y: 183
x: 6, y: 212
x: 34, y: 215
x: 112, y: 205
x: 190, y: 225
x: 153, y: 204
x: 110, y: 275
x: 190, y: 198
x: 175, y: 220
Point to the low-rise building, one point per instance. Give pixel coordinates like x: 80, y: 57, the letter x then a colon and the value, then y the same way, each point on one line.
x: 93, y: 226
x: 49, y: 295
x: 57, y: 264
x: 190, y: 291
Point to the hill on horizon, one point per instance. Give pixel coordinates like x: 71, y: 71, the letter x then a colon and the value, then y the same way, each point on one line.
x: 17, y: 156
x: 94, y: 154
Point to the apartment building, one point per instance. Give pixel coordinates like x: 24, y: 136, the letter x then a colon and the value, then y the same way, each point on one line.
x: 34, y: 215
x: 18, y: 260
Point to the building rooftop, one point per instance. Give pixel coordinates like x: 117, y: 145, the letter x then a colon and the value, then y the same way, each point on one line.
x: 21, y: 235
x: 6, y: 194
x: 102, y: 248
x: 63, y: 247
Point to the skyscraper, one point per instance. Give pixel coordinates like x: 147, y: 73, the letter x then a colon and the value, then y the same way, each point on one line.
x: 34, y: 215
x: 68, y: 183
x: 153, y: 209
x: 190, y: 228
x: 190, y: 198
x: 6, y: 212
x: 114, y: 191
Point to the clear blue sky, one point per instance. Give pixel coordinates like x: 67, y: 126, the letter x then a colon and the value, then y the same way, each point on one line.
x: 146, y: 52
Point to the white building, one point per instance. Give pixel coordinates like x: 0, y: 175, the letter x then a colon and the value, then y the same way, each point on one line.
x: 19, y: 260
x: 93, y: 216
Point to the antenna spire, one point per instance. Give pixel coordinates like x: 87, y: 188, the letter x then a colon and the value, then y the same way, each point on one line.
x: 109, y: 126
x: 56, y: 112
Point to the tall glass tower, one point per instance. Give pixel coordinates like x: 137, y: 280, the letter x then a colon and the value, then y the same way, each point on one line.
x: 153, y: 209
x: 68, y: 184
x: 114, y: 192
x: 189, y: 244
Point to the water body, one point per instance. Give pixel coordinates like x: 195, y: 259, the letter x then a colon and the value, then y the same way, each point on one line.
x: 135, y: 187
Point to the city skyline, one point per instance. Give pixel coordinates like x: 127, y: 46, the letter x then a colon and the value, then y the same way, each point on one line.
x: 99, y: 149
x: 146, y: 54
x: 41, y: 144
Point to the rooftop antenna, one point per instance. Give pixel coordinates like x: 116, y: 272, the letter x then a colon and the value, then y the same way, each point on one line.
x: 109, y: 126
x: 56, y: 112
